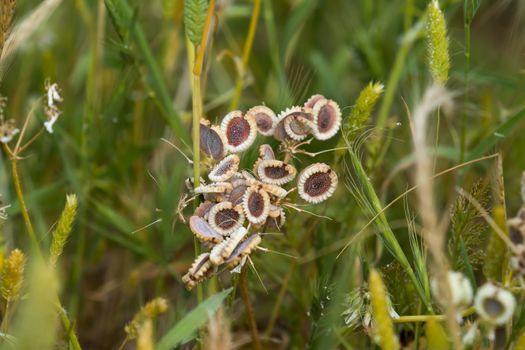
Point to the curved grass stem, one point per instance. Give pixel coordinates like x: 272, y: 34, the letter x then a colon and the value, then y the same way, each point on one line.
x: 246, y: 54
x: 245, y: 295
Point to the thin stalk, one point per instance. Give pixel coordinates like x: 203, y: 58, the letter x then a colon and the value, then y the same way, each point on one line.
x: 279, y: 301
x: 425, y: 318
x: 243, y: 284
x: 246, y: 53
x: 5, y: 320
x: 395, y: 74
x: 463, y: 135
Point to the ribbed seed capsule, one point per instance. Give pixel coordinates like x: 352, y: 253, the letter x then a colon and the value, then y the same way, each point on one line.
x: 203, y: 209
x: 317, y: 183
x: 198, y: 271
x: 240, y: 131
x: 225, y: 218
x: 266, y: 152
x: 275, y: 172
x: 327, y: 119
x: 225, y: 169
x: 203, y: 231
x: 217, y: 187
x: 212, y: 140
x: 265, y: 119
x: 256, y: 205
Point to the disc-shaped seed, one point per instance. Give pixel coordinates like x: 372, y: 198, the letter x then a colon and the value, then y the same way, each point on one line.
x: 203, y: 209
x: 256, y: 205
x: 224, y: 249
x: 243, y: 249
x: 240, y: 131
x: 297, y: 122
x: 203, y: 231
x: 317, y: 183
x: 212, y: 141
x: 275, y: 172
x: 198, y: 271
x: 225, y: 218
x: 265, y: 119
x: 266, y: 152
x: 327, y: 119
x: 225, y: 168
x: 237, y: 194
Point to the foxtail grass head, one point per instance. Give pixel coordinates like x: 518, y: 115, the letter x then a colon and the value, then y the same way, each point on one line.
x: 437, y: 43
x: 63, y: 228
x: 12, y: 275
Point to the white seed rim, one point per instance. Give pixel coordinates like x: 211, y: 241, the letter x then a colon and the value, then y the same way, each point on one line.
x: 225, y: 169
x: 259, y: 112
x: 310, y: 103
x: 288, y: 169
x: 296, y: 115
x: 203, y: 209
x: 252, y: 217
x: 274, y: 190
x: 243, y: 249
x: 225, y: 206
x: 335, y: 121
x: 305, y: 177
x: 218, y: 187
x: 248, y: 139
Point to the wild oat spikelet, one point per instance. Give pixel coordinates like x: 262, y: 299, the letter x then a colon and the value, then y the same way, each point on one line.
x: 12, y: 275
x: 361, y: 111
x: 436, y: 336
x: 63, y: 228
x: 383, y: 325
x: 150, y: 311
x: 437, y: 43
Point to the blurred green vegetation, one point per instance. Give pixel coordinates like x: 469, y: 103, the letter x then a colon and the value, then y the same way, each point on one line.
x: 123, y: 69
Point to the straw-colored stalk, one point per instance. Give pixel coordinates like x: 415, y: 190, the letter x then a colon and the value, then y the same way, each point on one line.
x: 382, y: 322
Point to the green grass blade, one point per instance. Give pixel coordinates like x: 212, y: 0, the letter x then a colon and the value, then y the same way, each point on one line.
x: 188, y: 326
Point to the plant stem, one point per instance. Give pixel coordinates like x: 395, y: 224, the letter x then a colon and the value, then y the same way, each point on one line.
x: 463, y: 135
x: 243, y: 284
x: 279, y: 300
x: 5, y: 320
x: 246, y: 53
x: 425, y: 318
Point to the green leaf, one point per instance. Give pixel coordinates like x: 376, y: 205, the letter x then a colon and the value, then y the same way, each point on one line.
x: 496, y: 135
x: 187, y: 327
x: 194, y: 18
x: 470, y: 7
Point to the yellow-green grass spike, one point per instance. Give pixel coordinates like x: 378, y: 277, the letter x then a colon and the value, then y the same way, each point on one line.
x: 383, y: 325
x: 63, y: 228
x: 437, y: 43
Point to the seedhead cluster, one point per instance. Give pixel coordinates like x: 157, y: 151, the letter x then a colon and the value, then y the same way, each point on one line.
x: 238, y: 205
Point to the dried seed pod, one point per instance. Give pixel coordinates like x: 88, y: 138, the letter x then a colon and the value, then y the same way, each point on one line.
x: 240, y: 131
x: 256, y: 205
x: 198, y: 271
x: 276, y: 220
x: 517, y: 260
x: 274, y: 212
x: 312, y: 100
x: 225, y: 169
x: 266, y: 152
x: 243, y: 249
x: 317, y: 183
x: 280, y: 133
x: 275, y: 172
x: 297, y: 122
x: 212, y: 140
x: 224, y: 249
x: 495, y: 305
x: 203, y: 209
x: 327, y: 118
x: 203, y: 231
x: 225, y: 218
x: 274, y: 190
x: 217, y: 187
x: 237, y: 194
x: 265, y: 119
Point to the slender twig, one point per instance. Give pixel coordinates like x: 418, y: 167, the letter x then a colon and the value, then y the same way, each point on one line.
x: 425, y: 318
x: 243, y: 284
x: 279, y: 300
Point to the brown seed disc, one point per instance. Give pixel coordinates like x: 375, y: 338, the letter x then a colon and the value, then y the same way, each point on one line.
x: 212, y: 141
x: 327, y: 117
x: 256, y: 205
x: 225, y: 218
x: 242, y: 249
x: 297, y: 122
x: 203, y: 209
x: 265, y: 119
x: 266, y: 152
x: 237, y: 194
x: 317, y: 183
x: 240, y: 131
x: 275, y: 172
x: 225, y: 168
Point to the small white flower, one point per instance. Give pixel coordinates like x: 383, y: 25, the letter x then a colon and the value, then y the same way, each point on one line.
x: 53, y: 95
x: 51, y: 121
x: 51, y: 109
x: 460, y: 289
x: 494, y: 305
x: 7, y: 131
